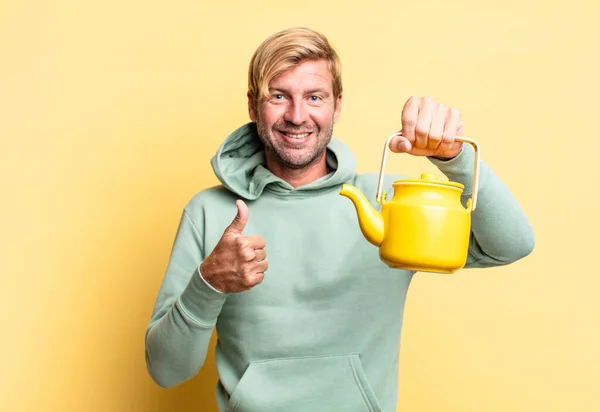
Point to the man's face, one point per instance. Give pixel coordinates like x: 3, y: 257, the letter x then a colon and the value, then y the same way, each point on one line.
x: 296, y: 122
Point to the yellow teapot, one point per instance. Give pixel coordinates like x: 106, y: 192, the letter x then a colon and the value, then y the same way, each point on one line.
x: 425, y: 226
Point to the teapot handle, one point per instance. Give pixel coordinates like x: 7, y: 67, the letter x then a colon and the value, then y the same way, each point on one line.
x: 458, y: 139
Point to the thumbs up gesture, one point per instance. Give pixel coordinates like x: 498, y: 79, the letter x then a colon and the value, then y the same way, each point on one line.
x: 237, y: 262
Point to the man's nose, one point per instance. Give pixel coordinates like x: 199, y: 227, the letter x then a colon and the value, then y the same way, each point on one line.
x: 296, y: 112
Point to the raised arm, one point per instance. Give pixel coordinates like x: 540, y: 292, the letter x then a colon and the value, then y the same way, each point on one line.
x: 184, y: 315
x: 193, y: 292
x: 500, y: 231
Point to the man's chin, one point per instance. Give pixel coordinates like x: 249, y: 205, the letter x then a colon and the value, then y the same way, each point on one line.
x: 300, y: 162
x: 295, y: 164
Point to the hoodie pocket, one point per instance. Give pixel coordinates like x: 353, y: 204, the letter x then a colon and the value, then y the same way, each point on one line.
x: 319, y: 383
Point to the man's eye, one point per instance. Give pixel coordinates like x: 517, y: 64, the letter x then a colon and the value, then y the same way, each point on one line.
x: 315, y: 98
x: 278, y: 96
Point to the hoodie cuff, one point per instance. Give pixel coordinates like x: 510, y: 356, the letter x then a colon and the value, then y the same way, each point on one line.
x: 461, y: 168
x: 200, y: 301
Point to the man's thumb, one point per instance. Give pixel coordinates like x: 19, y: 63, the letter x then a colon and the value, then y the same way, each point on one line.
x: 240, y: 220
x: 400, y: 144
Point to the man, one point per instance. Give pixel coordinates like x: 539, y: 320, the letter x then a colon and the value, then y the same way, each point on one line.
x: 320, y: 329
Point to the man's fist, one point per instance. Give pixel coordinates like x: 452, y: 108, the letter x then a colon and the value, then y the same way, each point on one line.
x: 237, y: 262
x: 428, y: 129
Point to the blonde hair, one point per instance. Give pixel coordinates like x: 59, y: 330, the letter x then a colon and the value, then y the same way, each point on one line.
x: 285, y: 50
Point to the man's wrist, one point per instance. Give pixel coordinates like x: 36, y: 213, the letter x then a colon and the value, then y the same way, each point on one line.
x: 206, y: 281
x: 443, y: 159
x: 447, y: 159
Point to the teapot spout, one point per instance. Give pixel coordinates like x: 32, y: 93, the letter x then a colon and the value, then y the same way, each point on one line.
x: 369, y: 219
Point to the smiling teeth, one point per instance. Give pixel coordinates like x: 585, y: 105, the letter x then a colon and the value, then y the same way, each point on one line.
x: 297, y: 136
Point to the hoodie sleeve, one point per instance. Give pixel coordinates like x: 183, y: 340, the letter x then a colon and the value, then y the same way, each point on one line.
x: 500, y: 231
x: 184, y: 315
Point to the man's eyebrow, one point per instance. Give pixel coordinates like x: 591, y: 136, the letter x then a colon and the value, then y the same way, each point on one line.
x: 310, y: 91
x: 277, y: 89
x: 318, y: 90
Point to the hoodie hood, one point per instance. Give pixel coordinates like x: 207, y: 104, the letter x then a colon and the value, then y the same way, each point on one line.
x: 240, y: 165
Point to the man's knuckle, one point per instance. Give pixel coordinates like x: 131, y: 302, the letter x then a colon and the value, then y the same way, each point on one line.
x: 408, y: 120
x: 247, y: 254
x: 436, y: 136
x: 421, y: 130
x: 247, y: 280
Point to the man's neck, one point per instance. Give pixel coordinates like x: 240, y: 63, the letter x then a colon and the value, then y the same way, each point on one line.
x: 299, y: 177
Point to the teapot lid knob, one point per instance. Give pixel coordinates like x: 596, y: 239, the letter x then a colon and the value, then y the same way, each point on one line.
x: 428, y: 176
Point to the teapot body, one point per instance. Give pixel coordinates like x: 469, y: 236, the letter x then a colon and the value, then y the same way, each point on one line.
x: 426, y: 228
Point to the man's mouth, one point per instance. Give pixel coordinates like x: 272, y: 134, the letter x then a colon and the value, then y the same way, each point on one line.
x: 295, y: 138
x: 295, y: 135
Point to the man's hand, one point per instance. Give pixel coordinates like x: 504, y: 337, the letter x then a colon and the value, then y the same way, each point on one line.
x: 238, y: 262
x: 428, y: 129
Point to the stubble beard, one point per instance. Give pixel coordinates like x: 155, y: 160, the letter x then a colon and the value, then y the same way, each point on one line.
x: 294, y: 158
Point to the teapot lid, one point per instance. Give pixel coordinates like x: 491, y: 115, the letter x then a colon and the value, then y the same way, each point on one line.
x: 430, y: 179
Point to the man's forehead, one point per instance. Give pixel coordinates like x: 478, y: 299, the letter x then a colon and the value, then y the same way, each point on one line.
x: 312, y: 74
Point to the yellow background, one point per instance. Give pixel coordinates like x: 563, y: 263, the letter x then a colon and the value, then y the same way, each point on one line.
x: 110, y: 112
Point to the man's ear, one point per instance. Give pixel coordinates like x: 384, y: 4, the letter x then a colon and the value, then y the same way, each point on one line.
x: 338, y: 108
x: 251, y: 108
